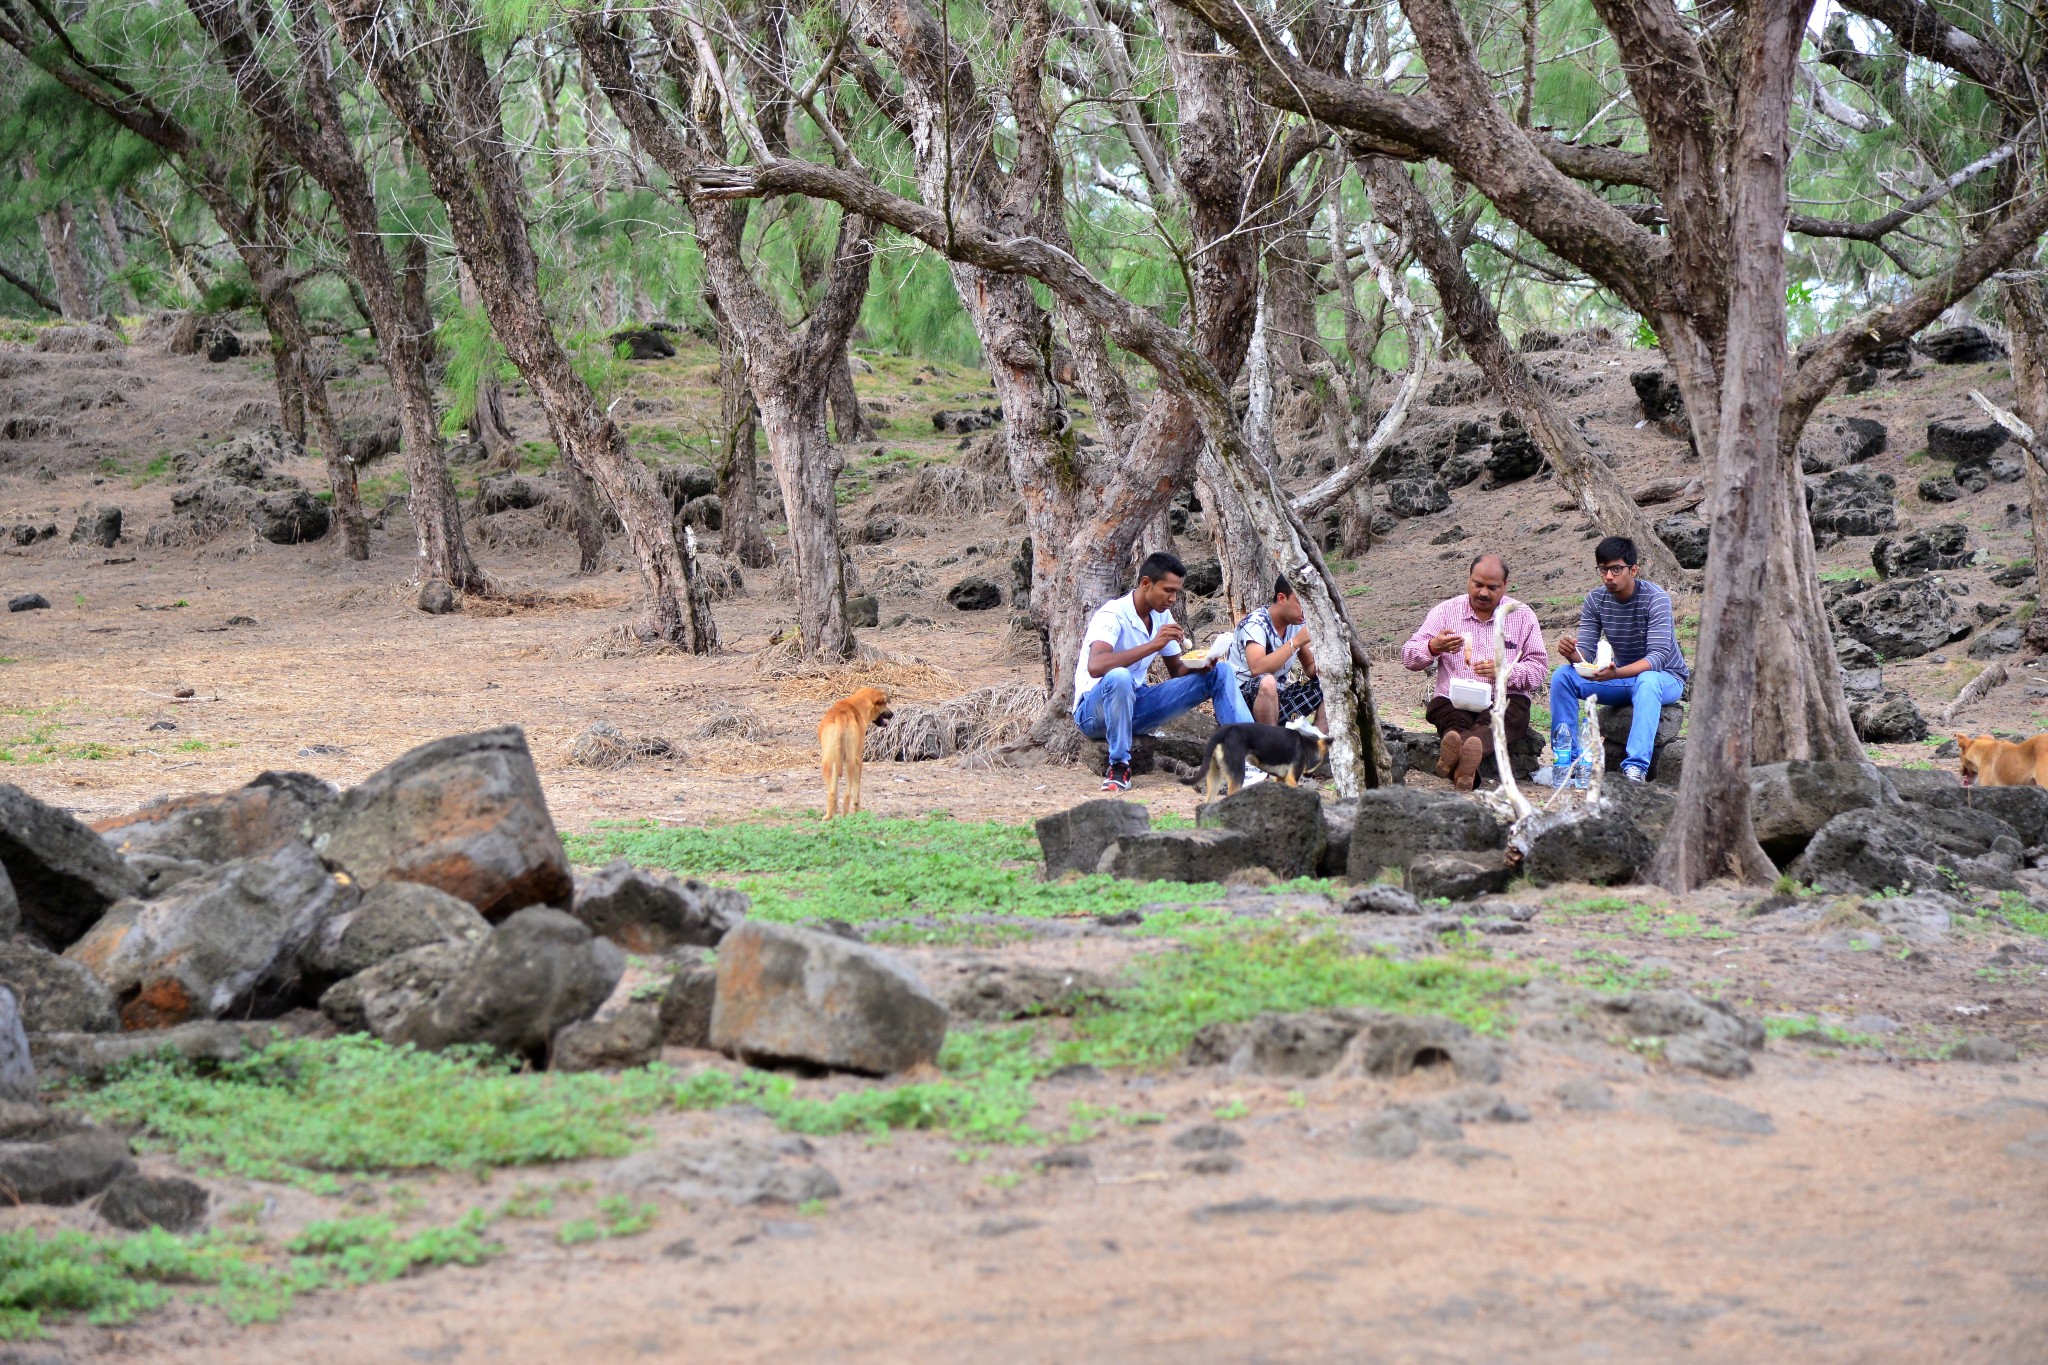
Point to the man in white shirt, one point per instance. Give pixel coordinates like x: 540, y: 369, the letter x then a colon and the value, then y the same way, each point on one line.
x: 1111, y: 700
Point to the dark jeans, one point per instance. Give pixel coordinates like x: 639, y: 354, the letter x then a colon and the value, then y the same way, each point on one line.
x: 1446, y: 717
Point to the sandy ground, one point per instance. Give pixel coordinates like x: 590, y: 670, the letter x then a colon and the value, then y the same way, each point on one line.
x: 1896, y: 1213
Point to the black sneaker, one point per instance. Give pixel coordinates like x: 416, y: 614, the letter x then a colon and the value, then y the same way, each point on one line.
x: 1117, y: 778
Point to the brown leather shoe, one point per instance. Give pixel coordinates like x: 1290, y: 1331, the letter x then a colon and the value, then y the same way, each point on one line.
x: 1469, y: 755
x: 1447, y: 755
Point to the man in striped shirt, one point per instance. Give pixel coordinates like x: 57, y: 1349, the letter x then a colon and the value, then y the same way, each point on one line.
x: 1648, y: 672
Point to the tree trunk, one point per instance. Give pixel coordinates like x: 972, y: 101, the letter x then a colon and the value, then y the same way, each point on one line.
x: 459, y: 136
x: 1247, y: 575
x: 585, y: 515
x: 117, y: 251
x: 848, y: 421
x: 740, y: 535
x: 1600, y: 494
x: 1711, y: 833
x: 807, y: 469
x: 60, y: 244
x: 2026, y: 319
x: 487, y: 424
x: 306, y: 390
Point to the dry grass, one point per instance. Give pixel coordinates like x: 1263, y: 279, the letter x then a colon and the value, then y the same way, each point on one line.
x: 604, y: 748
x: 950, y: 490
x: 729, y: 722
x: 984, y: 718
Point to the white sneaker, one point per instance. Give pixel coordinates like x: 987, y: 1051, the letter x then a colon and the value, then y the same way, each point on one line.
x: 1253, y: 776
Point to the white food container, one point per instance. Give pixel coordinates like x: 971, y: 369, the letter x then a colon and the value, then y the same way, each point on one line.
x: 1470, y: 694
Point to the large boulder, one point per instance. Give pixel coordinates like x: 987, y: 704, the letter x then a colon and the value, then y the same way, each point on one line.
x: 1706, y: 1035
x: 51, y: 1156
x: 1869, y: 850
x: 1074, y: 840
x: 1966, y: 439
x: 975, y: 593
x: 1417, y: 497
x: 1285, y: 825
x: 1614, y: 722
x: 535, y: 974
x: 1514, y: 457
x: 1457, y: 876
x: 1394, y: 824
x: 1339, y: 818
x: 64, y: 875
x: 392, y: 918
x: 89, y: 1057
x: 1790, y: 802
x: 1902, y: 619
x: 629, y: 1036
x: 1686, y: 536
x: 97, y: 525
x: 383, y: 999
x: 290, y: 516
x: 1888, y: 718
x: 1945, y: 545
x: 1312, y: 1043
x: 796, y: 995
x: 1964, y: 345
x: 1853, y: 502
x: 226, y: 942
x: 56, y: 994
x: 1179, y: 855
x: 652, y: 912
x: 1833, y: 442
x: 1604, y: 847
x: 2025, y: 809
x: 464, y: 814
x: 245, y: 823
x: 139, y: 1202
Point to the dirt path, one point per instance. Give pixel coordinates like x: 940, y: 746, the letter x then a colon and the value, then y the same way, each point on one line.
x: 1897, y: 1213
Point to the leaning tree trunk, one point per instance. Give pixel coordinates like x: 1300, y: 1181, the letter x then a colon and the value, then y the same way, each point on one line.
x: 455, y: 125
x: 117, y: 251
x: 1247, y: 579
x: 740, y: 536
x: 1600, y: 494
x: 60, y: 244
x: 487, y: 424
x: 2026, y: 318
x: 1711, y: 834
x: 302, y: 393
x: 849, y: 423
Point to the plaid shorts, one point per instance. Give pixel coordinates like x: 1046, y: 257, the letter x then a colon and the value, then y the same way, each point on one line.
x: 1296, y: 699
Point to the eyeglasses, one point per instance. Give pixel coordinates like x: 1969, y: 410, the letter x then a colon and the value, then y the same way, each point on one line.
x: 1614, y: 570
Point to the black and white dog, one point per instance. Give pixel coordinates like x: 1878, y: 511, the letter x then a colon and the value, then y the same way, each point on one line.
x: 1283, y: 751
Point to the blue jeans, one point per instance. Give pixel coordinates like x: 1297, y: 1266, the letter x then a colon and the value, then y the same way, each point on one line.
x: 1649, y: 693
x: 1119, y: 705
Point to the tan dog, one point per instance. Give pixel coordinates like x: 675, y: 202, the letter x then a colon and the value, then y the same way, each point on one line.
x: 841, y: 736
x: 1991, y: 762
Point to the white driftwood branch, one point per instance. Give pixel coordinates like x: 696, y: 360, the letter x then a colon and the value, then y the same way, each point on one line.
x: 1974, y: 691
x: 1501, y: 665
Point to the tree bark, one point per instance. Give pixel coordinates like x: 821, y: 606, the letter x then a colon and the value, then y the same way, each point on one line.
x: 1600, y: 494
x: 849, y: 423
x: 444, y: 98
x: 1711, y: 834
x: 2026, y: 320
x: 117, y: 251
x: 787, y: 367
x: 740, y: 536
x: 60, y: 245
x: 487, y: 424
x: 1247, y: 576
x: 317, y: 140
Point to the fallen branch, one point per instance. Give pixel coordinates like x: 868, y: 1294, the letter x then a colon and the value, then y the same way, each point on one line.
x: 1974, y: 691
x: 1501, y: 760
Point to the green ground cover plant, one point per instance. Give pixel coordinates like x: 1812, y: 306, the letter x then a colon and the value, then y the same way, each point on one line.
x: 307, y: 1111
x: 868, y: 867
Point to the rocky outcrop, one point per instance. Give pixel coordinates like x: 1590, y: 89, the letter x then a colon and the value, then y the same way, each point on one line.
x: 795, y: 995
x: 464, y: 814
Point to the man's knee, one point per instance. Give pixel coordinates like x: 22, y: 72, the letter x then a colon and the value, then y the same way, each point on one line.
x: 1269, y: 688
x: 1119, y: 681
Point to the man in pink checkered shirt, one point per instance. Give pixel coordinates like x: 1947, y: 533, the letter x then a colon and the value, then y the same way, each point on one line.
x: 1457, y: 636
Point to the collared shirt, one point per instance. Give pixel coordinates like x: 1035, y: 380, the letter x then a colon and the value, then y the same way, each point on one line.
x: 1639, y: 628
x: 1531, y: 666
x: 1118, y: 623
x: 1257, y: 628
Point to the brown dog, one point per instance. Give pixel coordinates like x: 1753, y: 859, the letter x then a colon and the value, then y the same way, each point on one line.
x: 1991, y: 762
x: 841, y: 736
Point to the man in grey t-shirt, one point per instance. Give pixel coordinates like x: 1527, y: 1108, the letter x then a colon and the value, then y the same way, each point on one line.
x: 1648, y: 672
